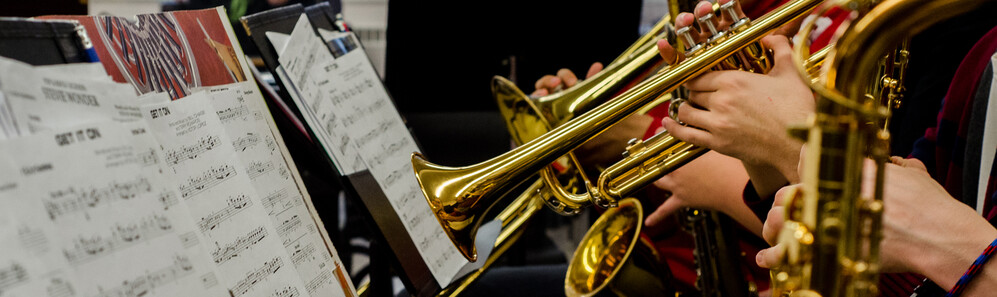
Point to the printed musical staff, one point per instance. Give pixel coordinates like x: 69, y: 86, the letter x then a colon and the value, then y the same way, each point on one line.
x: 390, y: 150
x: 145, y: 284
x: 303, y: 254
x: 86, y: 248
x: 208, y: 179
x: 148, y: 157
x: 244, y: 142
x: 381, y: 129
x: 190, y: 152
x: 362, y: 112
x: 11, y: 276
x: 348, y: 93
x: 323, y: 278
x: 229, y: 114
x: 271, y: 144
x: 288, y: 225
x: 241, y: 243
x: 281, y: 200
x: 397, y: 174
x: 257, y: 169
x: 267, y: 269
x: 235, y: 205
x: 168, y: 198
x: 80, y: 199
x: 286, y: 292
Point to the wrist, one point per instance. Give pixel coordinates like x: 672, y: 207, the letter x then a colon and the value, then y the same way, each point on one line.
x: 944, y: 259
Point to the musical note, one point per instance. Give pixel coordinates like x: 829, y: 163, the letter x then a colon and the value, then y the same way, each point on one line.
x: 280, y: 201
x: 398, y: 174
x: 257, y: 169
x: 286, y: 292
x: 390, y: 150
x: 86, y: 248
x: 190, y: 152
x: 235, y: 205
x: 303, y: 254
x: 381, y: 129
x: 241, y: 243
x: 244, y: 142
x: 80, y: 199
x: 12, y: 275
x: 208, y: 179
x: 229, y: 114
x: 267, y: 269
x: 289, y: 225
x: 144, y: 284
x: 148, y: 157
x: 271, y: 144
x: 168, y: 198
x: 323, y: 278
x: 348, y: 93
x: 363, y: 112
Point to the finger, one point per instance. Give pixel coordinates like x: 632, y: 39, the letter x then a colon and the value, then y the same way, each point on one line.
x: 773, y: 224
x: 666, y: 209
x: 704, y: 16
x: 668, y: 53
x: 770, y: 257
x: 782, y: 55
x: 567, y: 77
x: 687, y: 134
x: 548, y: 82
x: 539, y: 93
x: 695, y: 117
x: 595, y: 68
x: 686, y: 19
x: 784, y: 194
x: 908, y: 163
x: 710, y: 81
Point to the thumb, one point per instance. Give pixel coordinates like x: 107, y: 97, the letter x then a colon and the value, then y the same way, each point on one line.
x: 666, y: 209
x: 782, y: 54
x: 770, y: 257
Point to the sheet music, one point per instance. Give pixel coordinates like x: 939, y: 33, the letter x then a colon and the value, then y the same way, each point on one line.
x: 42, y: 98
x: 280, y: 197
x: 302, y: 53
x: 86, y: 202
x: 348, y: 96
x: 243, y: 244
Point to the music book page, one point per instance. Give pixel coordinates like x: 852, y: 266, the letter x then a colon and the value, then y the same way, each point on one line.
x: 230, y: 216
x: 279, y: 195
x: 348, y: 96
x: 87, y: 202
x: 302, y: 52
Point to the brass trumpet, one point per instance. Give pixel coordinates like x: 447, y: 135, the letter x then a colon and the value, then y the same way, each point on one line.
x: 612, y: 256
x: 460, y: 195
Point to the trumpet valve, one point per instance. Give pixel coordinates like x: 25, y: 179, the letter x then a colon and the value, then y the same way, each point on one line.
x: 739, y: 22
x: 707, y: 22
x: 633, y: 147
x: 690, y: 44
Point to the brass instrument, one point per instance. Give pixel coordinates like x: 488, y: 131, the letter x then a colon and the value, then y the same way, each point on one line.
x: 528, y: 118
x: 613, y: 256
x: 459, y: 196
x: 832, y: 231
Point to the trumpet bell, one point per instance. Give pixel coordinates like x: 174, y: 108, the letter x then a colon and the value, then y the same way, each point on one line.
x: 612, y: 256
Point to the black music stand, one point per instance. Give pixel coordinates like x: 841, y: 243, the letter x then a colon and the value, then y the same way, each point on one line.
x: 389, y: 240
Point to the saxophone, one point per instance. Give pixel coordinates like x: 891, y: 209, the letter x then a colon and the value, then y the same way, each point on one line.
x: 833, y: 228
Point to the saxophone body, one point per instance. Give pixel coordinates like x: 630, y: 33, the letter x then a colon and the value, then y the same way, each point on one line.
x: 832, y: 232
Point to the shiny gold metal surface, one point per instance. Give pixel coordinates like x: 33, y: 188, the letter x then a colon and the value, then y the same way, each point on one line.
x: 612, y: 256
x: 459, y: 196
x: 832, y: 231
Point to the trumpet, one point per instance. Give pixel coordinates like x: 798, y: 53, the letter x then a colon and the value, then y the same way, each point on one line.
x: 459, y: 196
x: 832, y: 231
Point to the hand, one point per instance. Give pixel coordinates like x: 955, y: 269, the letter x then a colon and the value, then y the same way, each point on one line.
x: 549, y: 84
x: 712, y: 181
x: 925, y: 230
x: 745, y: 115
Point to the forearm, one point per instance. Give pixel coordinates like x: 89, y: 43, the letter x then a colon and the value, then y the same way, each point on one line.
x: 944, y: 257
x: 765, y: 179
